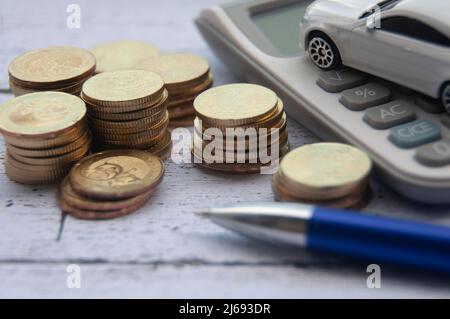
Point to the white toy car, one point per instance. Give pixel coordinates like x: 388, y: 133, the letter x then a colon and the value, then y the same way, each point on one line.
x: 404, y: 41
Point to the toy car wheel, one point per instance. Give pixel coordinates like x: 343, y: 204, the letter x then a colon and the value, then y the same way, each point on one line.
x: 323, y: 52
x: 446, y: 97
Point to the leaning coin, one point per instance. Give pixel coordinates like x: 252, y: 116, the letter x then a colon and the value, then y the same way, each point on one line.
x: 116, y: 174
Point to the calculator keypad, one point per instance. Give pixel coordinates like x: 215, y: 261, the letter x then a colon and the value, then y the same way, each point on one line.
x: 340, y: 80
x: 415, y: 133
x: 391, y: 114
x: 435, y: 154
x: 429, y: 105
x: 365, y: 96
x: 398, y: 115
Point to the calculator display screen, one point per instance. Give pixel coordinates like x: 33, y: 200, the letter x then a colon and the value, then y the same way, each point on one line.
x: 281, y: 26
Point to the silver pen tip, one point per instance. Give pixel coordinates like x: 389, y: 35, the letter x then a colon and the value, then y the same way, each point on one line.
x: 270, y: 221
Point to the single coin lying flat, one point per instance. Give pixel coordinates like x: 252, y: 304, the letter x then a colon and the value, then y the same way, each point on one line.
x: 116, y: 174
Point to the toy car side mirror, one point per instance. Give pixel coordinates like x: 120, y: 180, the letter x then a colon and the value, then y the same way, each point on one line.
x: 372, y: 23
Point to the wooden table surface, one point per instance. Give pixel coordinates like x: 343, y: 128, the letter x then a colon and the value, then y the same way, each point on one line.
x: 164, y: 250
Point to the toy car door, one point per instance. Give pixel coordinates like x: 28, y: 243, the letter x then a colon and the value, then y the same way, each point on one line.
x: 400, y: 52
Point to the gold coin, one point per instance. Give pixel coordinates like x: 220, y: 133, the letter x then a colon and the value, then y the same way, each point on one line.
x: 247, y: 168
x: 176, y: 103
x: 181, y: 111
x: 163, y: 148
x: 235, y: 104
x: 182, y: 121
x: 139, y: 137
x: 64, y: 149
x: 123, y: 88
x: 144, y: 134
x: 190, y: 94
x: 269, y: 121
x: 116, y: 174
x: 246, y: 156
x: 180, y: 71
x: 236, y: 132
x: 146, y: 111
x: 121, y: 55
x: 19, y: 90
x: 67, y: 193
x: 30, y: 178
x: 64, y: 159
x: 153, y: 106
x: 51, y: 67
x: 142, y: 144
x: 284, y: 193
x: 284, y: 188
x: 24, y: 172
x: 40, y: 115
x: 245, y: 145
x: 325, y: 170
x: 47, y: 143
x: 96, y: 215
x: 127, y: 127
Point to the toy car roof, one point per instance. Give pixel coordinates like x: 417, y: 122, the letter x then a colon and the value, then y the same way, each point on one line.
x: 434, y: 13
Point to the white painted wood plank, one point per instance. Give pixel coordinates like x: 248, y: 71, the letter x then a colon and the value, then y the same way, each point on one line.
x: 170, y: 247
x: 210, y: 281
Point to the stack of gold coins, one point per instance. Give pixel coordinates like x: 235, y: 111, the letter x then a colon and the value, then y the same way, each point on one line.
x: 122, y: 55
x: 186, y: 75
x: 326, y: 174
x: 128, y: 109
x: 45, y: 134
x: 239, y: 128
x: 62, y: 69
x: 110, y: 184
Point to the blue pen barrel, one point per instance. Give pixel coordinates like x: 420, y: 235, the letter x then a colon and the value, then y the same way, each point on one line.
x: 378, y: 239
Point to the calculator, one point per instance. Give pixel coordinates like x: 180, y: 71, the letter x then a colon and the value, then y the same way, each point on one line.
x: 407, y: 135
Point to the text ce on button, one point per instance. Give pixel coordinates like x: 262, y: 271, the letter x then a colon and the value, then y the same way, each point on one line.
x: 415, y: 133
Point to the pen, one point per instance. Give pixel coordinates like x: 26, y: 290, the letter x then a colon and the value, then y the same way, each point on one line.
x: 362, y: 236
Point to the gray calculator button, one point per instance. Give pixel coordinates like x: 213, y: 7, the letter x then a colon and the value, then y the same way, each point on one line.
x: 391, y: 114
x: 363, y: 97
x: 340, y: 80
x: 435, y: 154
x: 429, y: 105
x: 415, y: 133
